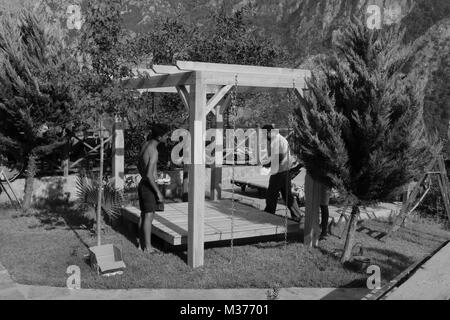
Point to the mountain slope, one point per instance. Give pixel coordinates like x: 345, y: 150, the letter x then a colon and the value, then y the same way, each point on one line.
x: 305, y: 28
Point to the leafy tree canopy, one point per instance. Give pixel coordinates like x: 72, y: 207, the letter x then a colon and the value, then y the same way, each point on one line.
x: 36, y: 105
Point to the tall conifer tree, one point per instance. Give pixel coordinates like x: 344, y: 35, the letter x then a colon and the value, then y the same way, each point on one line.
x: 359, y: 127
x: 36, y: 104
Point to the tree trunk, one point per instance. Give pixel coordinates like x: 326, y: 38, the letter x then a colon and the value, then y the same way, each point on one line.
x: 29, y: 182
x: 350, y: 240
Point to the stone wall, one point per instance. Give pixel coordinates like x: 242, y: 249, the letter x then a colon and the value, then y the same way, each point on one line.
x: 65, y: 188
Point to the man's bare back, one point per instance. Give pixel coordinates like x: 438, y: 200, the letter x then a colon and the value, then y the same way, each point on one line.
x: 148, y: 155
x: 150, y: 197
x: 149, y: 194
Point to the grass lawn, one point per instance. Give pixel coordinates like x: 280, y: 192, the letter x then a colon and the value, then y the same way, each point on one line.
x: 37, y: 250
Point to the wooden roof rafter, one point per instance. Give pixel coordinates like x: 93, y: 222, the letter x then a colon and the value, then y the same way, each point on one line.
x: 215, y: 76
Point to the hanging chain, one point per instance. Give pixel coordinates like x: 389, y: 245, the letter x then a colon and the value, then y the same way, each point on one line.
x: 287, y: 186
x: 233, y: 205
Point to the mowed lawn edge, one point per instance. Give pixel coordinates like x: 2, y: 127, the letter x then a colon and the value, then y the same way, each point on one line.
x: 37, y: 250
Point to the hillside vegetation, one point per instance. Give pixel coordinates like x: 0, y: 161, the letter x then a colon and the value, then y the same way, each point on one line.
x: 305, y: 28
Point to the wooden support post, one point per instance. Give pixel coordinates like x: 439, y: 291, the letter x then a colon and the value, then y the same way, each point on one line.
x: 258, y: 145
x: 186, y: 98
x: 118, y: 155
x: 350, y: 240
x: 216, y: 168
x: 312, y: 207
x: 197, y: 127
x: 66, y: 161
x: 65, y: 167
x: 185, y: 196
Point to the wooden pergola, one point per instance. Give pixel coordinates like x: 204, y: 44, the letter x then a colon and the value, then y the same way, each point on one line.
x: 194, y: 82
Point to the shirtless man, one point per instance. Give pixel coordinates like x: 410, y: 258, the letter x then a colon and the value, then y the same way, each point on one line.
x: 149, y: 193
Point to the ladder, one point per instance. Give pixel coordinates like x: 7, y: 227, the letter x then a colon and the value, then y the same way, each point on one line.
x: 436, y: 167
x: 4, y: 182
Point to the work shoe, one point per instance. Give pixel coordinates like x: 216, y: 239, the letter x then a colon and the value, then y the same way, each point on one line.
x: 323, y: 237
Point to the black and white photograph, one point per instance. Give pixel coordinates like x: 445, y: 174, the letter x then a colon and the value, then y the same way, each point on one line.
x: 226, y: 156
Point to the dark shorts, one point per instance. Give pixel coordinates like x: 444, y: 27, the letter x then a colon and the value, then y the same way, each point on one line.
x: 147, y: 198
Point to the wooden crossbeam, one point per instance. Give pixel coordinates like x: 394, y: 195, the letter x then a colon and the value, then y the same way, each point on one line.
x: 255, y: 79
x: 158, y: 90
x: 162, y: 69
x: 212, y: 89
x: 90, y: 152
x: 212, y: 103
x: 209, y: 90
x: 225, y: 105
x: 160, y: 81
x: 234, y: 68
x: 184, y: 95
x: 83, y: 142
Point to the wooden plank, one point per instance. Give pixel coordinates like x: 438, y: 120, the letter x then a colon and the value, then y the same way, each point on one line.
x: 84, y: 143
x: 235, y: 68
x: 174, y: 228
x: 65, y: 167
x: 159, y: 90
x: 248, y: 232
x: 73, y: 164
x: 161, y: 81
x: 224, y: 107
x: 184, y: 95
x: 255, y: 80
x: 212, y: 89
x: 162, y: 69
x: 252, y: 227
x: 217, y: 167
x: 240, y: 234
x: 249, y: 223
x: 311, y: 231
x: 212, y: 103
x: 196, y: 208
x: 118, y: 155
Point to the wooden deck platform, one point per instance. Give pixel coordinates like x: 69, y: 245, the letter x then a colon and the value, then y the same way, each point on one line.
x: 172, y: 224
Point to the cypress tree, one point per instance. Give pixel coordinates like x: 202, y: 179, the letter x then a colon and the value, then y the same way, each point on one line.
x: 359, y: 127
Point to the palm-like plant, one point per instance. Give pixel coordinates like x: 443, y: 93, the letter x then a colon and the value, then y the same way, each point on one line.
x: 87, y: 193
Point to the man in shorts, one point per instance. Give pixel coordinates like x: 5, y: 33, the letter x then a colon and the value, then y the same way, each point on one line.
x: 148, y: 191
